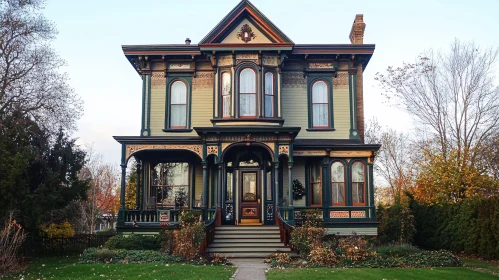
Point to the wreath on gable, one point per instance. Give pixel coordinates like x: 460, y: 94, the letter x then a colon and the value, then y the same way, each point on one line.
x: 298, y: 190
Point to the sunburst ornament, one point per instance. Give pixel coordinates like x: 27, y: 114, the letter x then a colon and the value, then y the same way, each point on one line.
x: 246, y: 34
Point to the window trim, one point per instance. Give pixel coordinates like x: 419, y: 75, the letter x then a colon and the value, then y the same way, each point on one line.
x: 312, y: 78
x: 272, y: 105
x: 187, y: 80
x: 352, y: 182
x: 186, y: 104
x: 222, y: 94
x: 313, y: 103
x: 189, y: 184
x: 310, y: 183
x: 344, y: 203
x: 254, y: 68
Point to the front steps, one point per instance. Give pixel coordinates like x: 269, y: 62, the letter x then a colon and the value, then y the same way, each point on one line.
x: 247, y: 241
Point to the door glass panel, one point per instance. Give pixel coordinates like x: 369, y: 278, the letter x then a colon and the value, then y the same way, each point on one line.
x: 229, y: 187
x: 249, y: 187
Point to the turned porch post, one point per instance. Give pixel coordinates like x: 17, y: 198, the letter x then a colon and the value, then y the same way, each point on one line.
x: 205, y: 189
x: 121, y: 211
x: 137, y: 189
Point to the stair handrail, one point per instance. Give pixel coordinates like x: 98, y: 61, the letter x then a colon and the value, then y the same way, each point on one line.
x: 209, y: 230
x: 285, y: 230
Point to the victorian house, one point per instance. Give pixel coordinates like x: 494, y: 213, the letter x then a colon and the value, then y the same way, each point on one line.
x: 251, y: 129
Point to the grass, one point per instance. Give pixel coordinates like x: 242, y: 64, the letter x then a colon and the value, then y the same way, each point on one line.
x: 451, y: 273
x: 491, y: 267
x: 69, y: 269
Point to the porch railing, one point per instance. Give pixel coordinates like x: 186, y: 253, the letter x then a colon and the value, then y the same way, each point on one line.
x: 285, y: 228
x: 150, y: 217
x: 209, y: 229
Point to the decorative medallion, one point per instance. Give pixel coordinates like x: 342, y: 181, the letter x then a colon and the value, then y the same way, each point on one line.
x: 246, y: 34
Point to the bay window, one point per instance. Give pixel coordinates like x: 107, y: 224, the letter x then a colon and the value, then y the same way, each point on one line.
x: 338, y: 184
x: 358, y: 183
x: 247, y: 93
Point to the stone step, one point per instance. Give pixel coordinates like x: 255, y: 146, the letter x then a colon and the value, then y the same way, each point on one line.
x: 245, y: 244
x: 249, y: 249
x: 261, y: 236
x: 249, y: 255
x: 238, y: 232
x: 252, y: 228
x: 246, y: 240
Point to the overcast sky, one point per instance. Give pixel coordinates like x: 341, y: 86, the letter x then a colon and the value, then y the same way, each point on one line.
x: 91, y: 33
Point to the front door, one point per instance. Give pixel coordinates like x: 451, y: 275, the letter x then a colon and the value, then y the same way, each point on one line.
x: 250, y: 196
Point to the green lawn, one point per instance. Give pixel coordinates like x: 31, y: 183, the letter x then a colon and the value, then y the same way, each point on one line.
x: 452, y: 273
x: 69, y: 269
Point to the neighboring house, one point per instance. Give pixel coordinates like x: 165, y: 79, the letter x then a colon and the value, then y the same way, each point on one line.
x: 229, y: 123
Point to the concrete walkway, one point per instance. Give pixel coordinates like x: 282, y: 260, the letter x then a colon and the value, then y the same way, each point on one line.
x: 250, y: 269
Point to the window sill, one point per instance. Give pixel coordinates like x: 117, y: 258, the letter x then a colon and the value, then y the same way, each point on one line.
x: 178, y: 130
x: 321, y: 129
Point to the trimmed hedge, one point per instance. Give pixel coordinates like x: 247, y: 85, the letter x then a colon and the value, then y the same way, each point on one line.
x: 471, y: 226
x: 134, y: 242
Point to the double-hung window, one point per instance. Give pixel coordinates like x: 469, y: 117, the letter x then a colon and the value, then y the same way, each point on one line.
x: 315, y: 184
x: 171, y: 181
x: 178, y: 105
x: 269, y: 95
x: 226, y: 95
x: 320, y: 105
x: 247, y: 93
x: 338, y: 184
x: 358, y: 183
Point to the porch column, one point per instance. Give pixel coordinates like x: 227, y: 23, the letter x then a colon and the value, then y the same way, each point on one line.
x: 276, y: 184
x: 121, y: 211
x: 219, y: 185
x: 205, y: 189
x: 291, y: 213
x: 137, y: 190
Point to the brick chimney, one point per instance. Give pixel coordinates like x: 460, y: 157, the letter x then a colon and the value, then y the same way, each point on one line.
x: 357, y: 31
x: 187, y: 41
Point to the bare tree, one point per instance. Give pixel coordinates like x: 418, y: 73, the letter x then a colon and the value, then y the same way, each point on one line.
x: 393, y: 163
x: 452, y: 95
x: 30, y: 81
x: 103, y: 195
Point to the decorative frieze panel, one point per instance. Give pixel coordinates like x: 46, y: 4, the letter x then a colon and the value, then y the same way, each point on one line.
x: 358, y: 214
x: 212, y: 150
x: 293, y: 80
x: 310, y: 153
x: 179, y: 66
x: 341, y: 79
x: 247, y: 138
x: 350, y: 153
x: 270, y: 60
x: 270, y: 212
x: 321, y: 65
x: 203, y: 80
x: 158, y: 79
x: 131, y: 149
x: 252, y: 57
x: 225, y: 60
x: 284, y: 150
x: 339, y: 214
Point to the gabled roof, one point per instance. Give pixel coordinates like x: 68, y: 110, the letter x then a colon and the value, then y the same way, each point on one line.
x: 245, y: 11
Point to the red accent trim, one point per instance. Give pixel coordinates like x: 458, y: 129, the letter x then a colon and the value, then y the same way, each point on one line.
x: 245, y: 45
x: 344, y: 184
x: 162, y: 52
x: 333, y: 51
x: 364, y: 182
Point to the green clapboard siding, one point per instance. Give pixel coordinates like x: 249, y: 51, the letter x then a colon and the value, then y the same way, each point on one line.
x: 299, y: 174
x: 295, y: 113
x: 201, y: 111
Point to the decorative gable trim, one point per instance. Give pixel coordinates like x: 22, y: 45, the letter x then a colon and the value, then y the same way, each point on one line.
x: 245, y: 10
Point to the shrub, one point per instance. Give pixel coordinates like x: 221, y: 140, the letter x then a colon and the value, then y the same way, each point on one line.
x: 134, y: 242
x: 11, y: 239
x: 64, y: 229
x: 312, y: 218
x: 396, y: 223
x: 188, y: 240
x: 279, y: 259
x: 167, y: 241
x: 306, y: 238
x: 190, y: 217
x: 397, y: 250
x: 103, y: 255
x: 440, y: 258
x: 322, y: 257
x: 353, y: 248
x: 217, y: 259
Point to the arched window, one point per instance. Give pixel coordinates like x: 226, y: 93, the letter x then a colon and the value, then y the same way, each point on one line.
x: 269, y: 94
x: 338, y: 183
x: 178, y: 105
x: 320, y: 105
x: 226, y: 97
x: 358, y: 183
x: 247, y: 93
x: 315, y: 184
